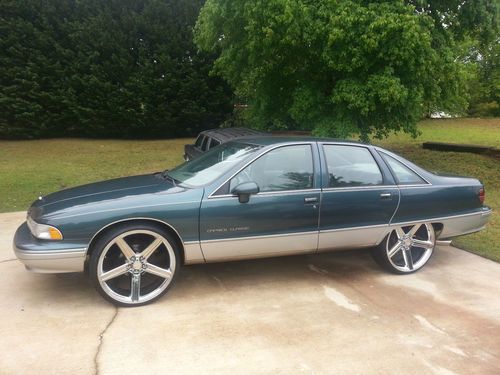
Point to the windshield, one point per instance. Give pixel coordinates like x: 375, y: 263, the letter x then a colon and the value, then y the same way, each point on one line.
x: 212, y: 164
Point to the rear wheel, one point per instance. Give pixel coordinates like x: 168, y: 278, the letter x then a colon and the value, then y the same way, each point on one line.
x: 134, y: 264
x: 406, y: 249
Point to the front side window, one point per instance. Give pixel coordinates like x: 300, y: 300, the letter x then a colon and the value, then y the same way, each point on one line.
x: 403, y: 174
x: 212, y: 164
x: 284, y: 168
x: 351, y: 166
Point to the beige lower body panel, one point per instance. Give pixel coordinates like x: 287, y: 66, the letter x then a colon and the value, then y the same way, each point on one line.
x: 340, y: 239
x: 325, y: 240
x: 259, y: 247
x: 192, y: 253
x: 459, y: 225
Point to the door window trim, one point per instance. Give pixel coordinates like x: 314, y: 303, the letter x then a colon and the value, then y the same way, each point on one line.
x: 426, y: 182
x: 311, y: 190
x: 325, y: 183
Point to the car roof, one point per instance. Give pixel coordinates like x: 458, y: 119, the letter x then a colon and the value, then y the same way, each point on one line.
x: 225, y: 134
x: 271, y: 140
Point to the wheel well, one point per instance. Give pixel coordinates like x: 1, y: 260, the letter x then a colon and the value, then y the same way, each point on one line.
x: 438, y: 228
x: 170, y: 230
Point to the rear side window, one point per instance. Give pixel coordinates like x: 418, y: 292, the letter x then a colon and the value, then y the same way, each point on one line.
x: 199, y: 140
x: 403, y: 174
x: 214, y: 142
x: 351, y: 166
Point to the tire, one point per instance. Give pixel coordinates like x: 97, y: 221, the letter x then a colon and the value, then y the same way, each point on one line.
x: 406, y: 249
x: 134, y: 264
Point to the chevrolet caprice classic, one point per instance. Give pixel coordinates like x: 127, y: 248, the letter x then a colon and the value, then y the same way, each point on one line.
x: 250, y: 198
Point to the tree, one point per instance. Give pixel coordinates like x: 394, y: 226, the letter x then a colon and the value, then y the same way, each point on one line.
x: 465, y: 34
x: 337, y: 67
x: 105, y: 68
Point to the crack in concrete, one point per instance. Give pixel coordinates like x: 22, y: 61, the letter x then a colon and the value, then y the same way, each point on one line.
x: 7, y: 260
x: 101, y: 337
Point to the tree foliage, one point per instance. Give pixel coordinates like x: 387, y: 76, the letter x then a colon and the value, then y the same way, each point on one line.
x: 105, y: 68
x: 340, y: 67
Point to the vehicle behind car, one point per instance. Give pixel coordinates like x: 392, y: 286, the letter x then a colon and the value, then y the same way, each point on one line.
x: 209, y: 139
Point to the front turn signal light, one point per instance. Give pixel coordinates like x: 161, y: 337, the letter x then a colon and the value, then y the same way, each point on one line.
x: 55, y: 234
x: 43, y: 231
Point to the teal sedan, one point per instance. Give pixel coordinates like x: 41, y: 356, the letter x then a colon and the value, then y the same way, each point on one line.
x: 250, y: 198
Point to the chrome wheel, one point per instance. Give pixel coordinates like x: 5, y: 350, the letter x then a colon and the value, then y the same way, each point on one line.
x: 408, y: 248
x: 136, y: 266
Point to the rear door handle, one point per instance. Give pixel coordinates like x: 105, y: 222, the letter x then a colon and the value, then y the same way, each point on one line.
x: 385, y: 195
x: 311, y: 200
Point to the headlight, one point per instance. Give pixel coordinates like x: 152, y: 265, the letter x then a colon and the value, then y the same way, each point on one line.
x: 43, y: 231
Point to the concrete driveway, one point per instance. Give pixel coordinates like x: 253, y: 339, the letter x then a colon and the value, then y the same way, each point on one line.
x: 329, y: 313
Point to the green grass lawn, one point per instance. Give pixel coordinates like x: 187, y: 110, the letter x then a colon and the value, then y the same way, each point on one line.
x: 31, y: 168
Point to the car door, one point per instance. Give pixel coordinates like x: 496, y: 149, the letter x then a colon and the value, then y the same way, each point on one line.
x: 359, y: 197
x: 281, y: 219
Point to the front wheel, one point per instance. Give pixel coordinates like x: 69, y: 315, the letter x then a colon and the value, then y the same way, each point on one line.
x: 406, y: 249
x: 134, y: 264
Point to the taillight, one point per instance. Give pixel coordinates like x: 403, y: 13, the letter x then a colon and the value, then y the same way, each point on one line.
x: 481, y: 195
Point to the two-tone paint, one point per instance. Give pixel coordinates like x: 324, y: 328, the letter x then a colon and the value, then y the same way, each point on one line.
x: 211, y: 227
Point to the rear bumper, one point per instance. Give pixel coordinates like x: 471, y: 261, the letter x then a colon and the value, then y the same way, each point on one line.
x: 47, y: 256
x: 465, y: 224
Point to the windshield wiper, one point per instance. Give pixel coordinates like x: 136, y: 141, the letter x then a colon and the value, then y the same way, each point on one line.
x: 166, y: 176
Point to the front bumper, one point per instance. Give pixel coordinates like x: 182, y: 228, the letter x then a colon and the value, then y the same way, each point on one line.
x: 47, y: 256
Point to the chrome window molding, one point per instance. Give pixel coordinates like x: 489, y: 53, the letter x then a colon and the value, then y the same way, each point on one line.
x: 211, y: 195
x: 366, y: 147
x: 406, y: 165
x: 267, y: 193
x: 288, y: 192
x: 365, y: 187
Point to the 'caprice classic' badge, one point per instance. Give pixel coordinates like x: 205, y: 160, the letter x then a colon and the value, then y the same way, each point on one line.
x: 230, y: 229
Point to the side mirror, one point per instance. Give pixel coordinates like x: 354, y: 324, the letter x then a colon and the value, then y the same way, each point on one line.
x: 244, y: 190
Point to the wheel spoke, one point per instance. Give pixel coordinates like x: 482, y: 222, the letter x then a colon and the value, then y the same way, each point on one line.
x: 423, y: 244
x: 115, y: 272
x: 125, y: 248
x: 135, y: 287
x: 394, y: 249
x: 158, y: 271
x: 400, y: 232
x: 148, y: 251
x: 408, y: 259
x: 414, y: 229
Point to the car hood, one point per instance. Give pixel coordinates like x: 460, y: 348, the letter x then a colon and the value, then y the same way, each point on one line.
x: 100, y: 192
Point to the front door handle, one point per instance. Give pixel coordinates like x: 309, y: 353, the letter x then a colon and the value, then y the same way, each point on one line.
x: 385, y: 195
x: 311, y: 200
